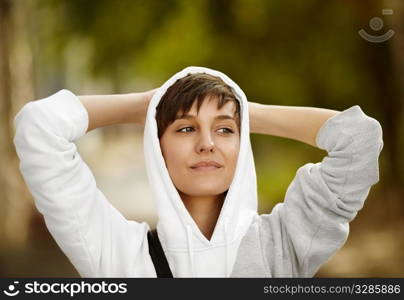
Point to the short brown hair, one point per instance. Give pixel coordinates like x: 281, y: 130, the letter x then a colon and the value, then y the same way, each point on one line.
x: 180, y: 97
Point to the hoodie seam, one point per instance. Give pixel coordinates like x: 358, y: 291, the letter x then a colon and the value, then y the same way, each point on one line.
x: 86, y: 250
x: 263, y: 257
x: 78, y: 221
x: 76, y: 213
x: 306, y: 256
x: 337, y: 195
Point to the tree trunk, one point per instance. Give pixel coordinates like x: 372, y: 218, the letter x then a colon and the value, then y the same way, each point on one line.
x: 5, y: 97
x: 16, y: 88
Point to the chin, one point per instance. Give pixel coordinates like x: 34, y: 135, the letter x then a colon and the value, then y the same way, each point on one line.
x: 209, y: 191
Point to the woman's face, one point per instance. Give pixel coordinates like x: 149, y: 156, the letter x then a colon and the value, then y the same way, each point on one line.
x: 210, y: 135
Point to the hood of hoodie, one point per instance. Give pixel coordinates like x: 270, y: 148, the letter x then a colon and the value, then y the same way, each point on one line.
x: 188, y: 251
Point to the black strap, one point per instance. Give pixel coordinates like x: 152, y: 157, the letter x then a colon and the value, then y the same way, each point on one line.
x: 157, y: 255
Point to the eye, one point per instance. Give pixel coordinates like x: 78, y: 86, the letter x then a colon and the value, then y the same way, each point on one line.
x: 227, y: 130
x: 182, y: 129
x: 185, y: 129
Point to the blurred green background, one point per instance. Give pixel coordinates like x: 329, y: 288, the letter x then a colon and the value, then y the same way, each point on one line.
x: 297, y: 53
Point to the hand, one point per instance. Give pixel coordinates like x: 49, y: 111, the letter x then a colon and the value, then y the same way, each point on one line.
x: 149, y: 94
x: 142, y: 105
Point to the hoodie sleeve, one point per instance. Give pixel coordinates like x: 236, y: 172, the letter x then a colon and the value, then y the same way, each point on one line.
x: 313, y: 222
x: 95, y: 237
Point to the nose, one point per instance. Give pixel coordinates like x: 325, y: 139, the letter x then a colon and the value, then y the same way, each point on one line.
x: 205, y: 143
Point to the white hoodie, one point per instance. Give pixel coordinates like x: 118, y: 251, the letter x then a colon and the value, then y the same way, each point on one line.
x: 188, y: 251
x: 294, y: 240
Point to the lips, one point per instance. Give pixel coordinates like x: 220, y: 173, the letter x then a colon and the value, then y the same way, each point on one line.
x: 206, y: 165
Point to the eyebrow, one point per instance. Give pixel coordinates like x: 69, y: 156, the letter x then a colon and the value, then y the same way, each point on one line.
x: 219, y: 117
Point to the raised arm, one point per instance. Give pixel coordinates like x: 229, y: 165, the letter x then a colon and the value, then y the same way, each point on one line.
x: 104, y: 110
x: 304, y: 231
x: 94, y: 235
x: 294, y: 122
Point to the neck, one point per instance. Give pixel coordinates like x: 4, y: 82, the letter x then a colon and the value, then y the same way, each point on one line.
x: 204, y: 210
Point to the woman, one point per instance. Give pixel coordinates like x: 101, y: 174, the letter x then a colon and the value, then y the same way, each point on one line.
x: 201, y: 170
